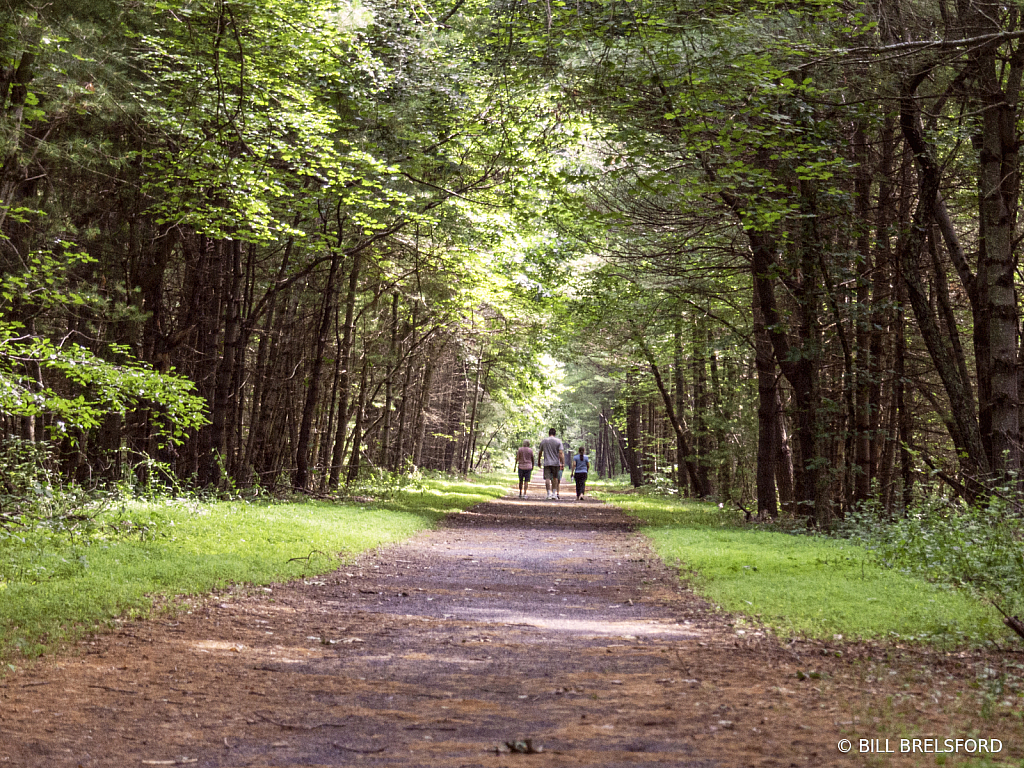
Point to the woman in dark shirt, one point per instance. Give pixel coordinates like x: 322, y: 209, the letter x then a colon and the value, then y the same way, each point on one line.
x: 580, y: 468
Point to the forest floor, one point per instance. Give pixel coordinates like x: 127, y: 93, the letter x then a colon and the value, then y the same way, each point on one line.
x: 519, y: 633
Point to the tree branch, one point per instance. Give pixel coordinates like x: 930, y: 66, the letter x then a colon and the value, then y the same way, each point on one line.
x: 941, y: 45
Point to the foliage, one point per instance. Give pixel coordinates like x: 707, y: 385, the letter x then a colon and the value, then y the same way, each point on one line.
x: 190, y: 177
x: 806, y: 585
x: 76, y: 386
x: 979, y: 548
x: 247, y: 98
x: 98, y: 387
x: 379, y: 484
x: 37, y: 505
x: 26, y: 475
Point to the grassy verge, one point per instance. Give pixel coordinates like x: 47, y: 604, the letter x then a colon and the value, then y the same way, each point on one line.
x: 57, y: 587
x: 805, y: 585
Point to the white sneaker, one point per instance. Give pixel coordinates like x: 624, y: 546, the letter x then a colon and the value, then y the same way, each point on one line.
x: 550, y: 495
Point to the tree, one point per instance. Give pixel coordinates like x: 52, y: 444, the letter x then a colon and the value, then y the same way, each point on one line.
x: 63, y: 389
x: 707, y: 112
x: 283, y: 202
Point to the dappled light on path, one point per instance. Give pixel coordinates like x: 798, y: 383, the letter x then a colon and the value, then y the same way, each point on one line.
x: 536, y: 627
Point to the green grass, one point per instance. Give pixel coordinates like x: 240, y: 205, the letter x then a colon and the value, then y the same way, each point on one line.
x: 805, y: 585
x: 54, y: 589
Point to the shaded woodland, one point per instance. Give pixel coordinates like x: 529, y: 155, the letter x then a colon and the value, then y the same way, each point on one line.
x: 770, y: 252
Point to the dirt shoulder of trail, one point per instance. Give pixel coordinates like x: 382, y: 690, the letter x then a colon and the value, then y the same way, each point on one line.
x: 520, y: 633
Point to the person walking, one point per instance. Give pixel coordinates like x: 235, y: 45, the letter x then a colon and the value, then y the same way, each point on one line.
x: 552, y: 461
x: 524, y: 462
x: 580, y: 468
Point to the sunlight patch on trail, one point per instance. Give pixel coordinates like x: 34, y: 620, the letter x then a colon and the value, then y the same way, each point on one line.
x: 581, y: 626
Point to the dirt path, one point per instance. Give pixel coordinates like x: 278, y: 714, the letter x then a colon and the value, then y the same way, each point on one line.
x: 518, y: 626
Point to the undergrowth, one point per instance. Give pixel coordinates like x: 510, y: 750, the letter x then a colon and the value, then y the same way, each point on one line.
x: 979, y: 549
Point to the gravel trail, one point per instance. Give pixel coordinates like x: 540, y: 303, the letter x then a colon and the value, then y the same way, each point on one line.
x: 519, y: 633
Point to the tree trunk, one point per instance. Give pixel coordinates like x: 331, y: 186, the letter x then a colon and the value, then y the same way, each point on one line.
x: 424, y: 405
x: 784, y: 473
x: 477, y: 393
x: 398, y: 458
x: 634, y: 414
x: 998, y: 192
x: 701, y: 408
x: 904, y: 414
x: 204, y: 315
x: 861, y: 428
x: 391, y: 368
x: 962, y: 421
x: 767, y: 395
x: 881, y: 297
x: 224, y: 398
x: 682, y: 447
x: 799, y: 370
x: 698, y: 478
x: 345, y: 350
x: 300, y: 480
x: 357, y: 428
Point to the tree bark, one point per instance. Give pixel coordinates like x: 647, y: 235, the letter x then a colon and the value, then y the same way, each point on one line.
x: 357, y: 428
x: 861, y: 428
x: 799, y: 370
x: 477, y: 393
x: 998, y: 193
x: 701, y: 408
x: 634, y: 414
x: 767, y: 394
x: 385, y: 430
x: 424, y: 405
x: 224, y: 398
x: 345, y: 350
x: 300, y: 480
x: 682, y: 446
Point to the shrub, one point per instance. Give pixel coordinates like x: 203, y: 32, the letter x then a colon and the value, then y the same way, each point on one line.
x: 978, y: 548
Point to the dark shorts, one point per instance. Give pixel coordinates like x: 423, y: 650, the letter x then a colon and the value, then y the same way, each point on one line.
x: 552, y: 472
x: 524, y: 474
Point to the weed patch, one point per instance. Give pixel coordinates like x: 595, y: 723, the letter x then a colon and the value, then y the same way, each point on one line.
x: 943, y: 540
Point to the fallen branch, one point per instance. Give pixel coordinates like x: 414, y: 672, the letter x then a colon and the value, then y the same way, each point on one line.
x: 1015, y: 624
x: 301, y: 727
x: 114, y: 690
x: 336, y: 745
x: 307, y: 557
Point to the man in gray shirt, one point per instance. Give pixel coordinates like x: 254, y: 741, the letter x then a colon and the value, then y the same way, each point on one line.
x: 552, y: 459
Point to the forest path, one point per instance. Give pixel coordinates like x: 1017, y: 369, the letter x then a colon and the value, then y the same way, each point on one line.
x: 544, y: 625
